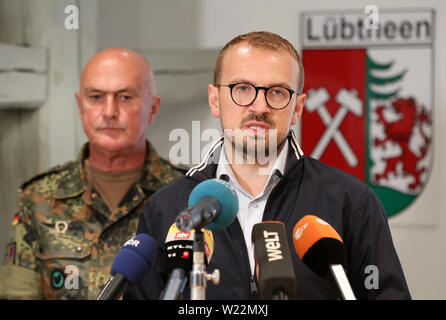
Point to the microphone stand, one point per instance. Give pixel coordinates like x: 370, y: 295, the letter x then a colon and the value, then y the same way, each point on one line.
x: 198, y: 275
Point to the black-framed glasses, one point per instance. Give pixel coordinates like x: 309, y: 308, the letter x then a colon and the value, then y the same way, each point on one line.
x: 243, y: 94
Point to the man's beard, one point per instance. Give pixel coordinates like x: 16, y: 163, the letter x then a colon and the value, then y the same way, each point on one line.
x: 251, y: 148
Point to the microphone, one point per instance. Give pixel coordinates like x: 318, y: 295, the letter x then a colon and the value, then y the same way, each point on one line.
x: 321, y: 248
x: 212, y: 205
x: 274, y: 269
x: 178, y: 259
x: 131, y: 263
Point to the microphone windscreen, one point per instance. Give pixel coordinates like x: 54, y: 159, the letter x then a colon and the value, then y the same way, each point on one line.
x: 274, y: 268
x: 135, y: 257
x: 179, y: 248
x: 226, y: 196
x: 318, y: 244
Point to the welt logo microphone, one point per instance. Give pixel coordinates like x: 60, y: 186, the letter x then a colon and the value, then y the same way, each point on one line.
x: 274, y: 269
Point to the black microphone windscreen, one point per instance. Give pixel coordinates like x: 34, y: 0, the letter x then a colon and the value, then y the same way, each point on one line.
x: 325, y: 252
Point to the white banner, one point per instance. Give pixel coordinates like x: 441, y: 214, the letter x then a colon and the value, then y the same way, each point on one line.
x: 353, y: 29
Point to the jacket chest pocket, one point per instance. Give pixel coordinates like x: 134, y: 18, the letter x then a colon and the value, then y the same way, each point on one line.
x: 64, y: 262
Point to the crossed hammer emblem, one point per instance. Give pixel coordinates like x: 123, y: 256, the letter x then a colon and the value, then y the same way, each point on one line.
x: 349, y: 102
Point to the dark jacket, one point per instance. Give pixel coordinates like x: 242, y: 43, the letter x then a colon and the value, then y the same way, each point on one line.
x: 308, y: 187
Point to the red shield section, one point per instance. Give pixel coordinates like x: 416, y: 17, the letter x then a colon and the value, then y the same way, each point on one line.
x: 335, y: 75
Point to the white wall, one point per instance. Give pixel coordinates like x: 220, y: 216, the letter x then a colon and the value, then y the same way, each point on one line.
x: 155, y: 24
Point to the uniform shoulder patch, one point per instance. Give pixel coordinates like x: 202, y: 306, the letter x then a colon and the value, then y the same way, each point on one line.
x: 15, y: 220
x: 10, y: 253
x: 39, y: 176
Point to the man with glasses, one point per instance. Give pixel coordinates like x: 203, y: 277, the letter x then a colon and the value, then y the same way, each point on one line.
x: 257, y: 94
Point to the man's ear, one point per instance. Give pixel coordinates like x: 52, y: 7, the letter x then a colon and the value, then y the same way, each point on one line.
x: 156, y: 103
x: 79, y: 105
x: 300, y: 102
x: 213, y: 101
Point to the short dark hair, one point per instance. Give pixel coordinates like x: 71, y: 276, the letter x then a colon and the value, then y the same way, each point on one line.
x: 261, y: 39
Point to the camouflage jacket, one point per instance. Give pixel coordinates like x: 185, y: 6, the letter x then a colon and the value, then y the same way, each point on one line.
x: 65, y: 237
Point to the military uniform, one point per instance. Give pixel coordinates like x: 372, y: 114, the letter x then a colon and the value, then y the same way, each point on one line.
x: 65, y: 237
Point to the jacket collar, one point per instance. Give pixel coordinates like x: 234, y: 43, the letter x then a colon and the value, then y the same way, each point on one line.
x: 208, y: 166
x: 75, y: 183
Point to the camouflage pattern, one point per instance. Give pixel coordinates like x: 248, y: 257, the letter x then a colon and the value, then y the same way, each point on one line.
x: 64, y: 229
